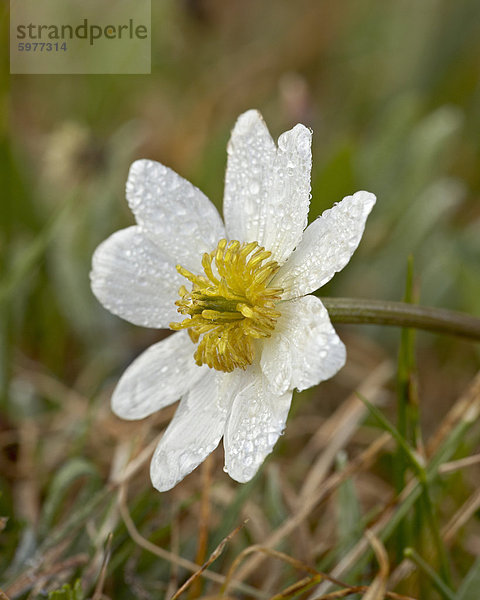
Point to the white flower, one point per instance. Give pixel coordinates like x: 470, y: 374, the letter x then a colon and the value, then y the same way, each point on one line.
x: 247, y: 316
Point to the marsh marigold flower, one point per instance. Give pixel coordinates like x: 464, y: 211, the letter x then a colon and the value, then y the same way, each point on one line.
x: 236, y: 293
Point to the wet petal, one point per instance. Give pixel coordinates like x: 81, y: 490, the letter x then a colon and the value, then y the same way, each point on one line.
x: 267, y: 190
x: 157, y: 378
x: 256, y: 420
x: 133, y: 279
x: 193, y: 433
x: 176, y: 215
x: 286, y: 209
x: 326, y: 247
x: 304, y: 349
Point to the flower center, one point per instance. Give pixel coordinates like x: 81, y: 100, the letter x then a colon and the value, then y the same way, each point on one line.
x: 231, y: 305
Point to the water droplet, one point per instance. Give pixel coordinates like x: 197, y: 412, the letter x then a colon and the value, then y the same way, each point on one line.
x: 254, y: 188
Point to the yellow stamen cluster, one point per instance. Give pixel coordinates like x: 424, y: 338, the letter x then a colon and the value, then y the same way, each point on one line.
x: 231, y: 305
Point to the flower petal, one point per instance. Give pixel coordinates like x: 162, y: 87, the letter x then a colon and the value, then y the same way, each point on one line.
x: 304, y: 349
x: 193, y: 433
x: 175, y: 214
x: 133, y: 279
x: 158, y: 377
x: 286, y: 210
x: 256, y: 420
x: 267, y: 190
x: 251, y: 153
x: 326, y: 247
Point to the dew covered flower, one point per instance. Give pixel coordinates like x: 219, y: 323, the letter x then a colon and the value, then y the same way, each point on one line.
x: 236, y: 293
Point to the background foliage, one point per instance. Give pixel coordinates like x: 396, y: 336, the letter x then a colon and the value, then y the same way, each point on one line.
x: 391, y: 90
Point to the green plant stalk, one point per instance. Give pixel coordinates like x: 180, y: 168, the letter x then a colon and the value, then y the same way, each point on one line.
x: 406, y: 383
x: 444, y: 454
x: 430, y: 512
x: 405, y: 367
x: 443, y: 589
x: 402, y: 314
x: 422, y: 475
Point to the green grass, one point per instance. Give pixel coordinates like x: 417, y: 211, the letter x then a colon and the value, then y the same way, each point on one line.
x: 391, y: 91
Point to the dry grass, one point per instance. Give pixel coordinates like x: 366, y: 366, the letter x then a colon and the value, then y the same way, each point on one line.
x: 353, y: 503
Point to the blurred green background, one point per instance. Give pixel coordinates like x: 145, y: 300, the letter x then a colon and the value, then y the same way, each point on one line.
x: 391, y: 90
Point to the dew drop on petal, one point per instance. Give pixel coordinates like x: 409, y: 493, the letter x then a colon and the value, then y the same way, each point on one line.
x: 254, y: 187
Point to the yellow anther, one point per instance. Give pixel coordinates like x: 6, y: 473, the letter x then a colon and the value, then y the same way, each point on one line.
x: 207, y: 267
x: 231, y: 305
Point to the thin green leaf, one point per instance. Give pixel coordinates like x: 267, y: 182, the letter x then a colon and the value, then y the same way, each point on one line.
x: 70, y: 472
x: 471, y: 584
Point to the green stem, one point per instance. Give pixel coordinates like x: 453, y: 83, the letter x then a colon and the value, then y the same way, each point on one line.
x: 442, y: 588
x: 402, y: 314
